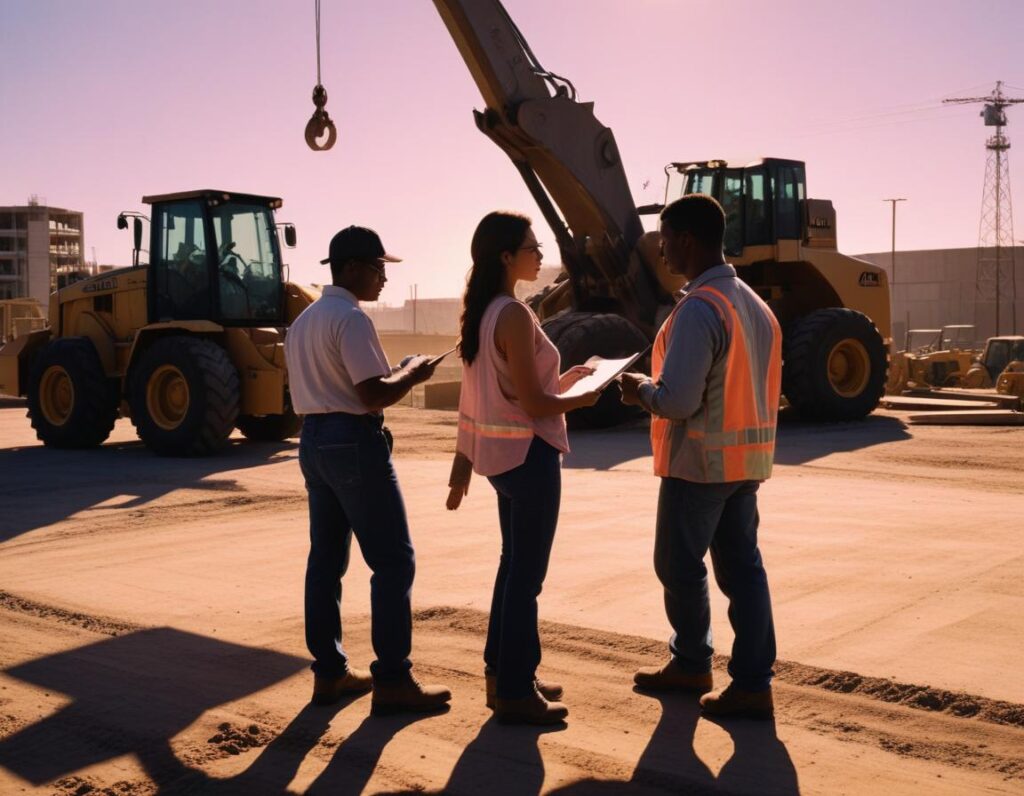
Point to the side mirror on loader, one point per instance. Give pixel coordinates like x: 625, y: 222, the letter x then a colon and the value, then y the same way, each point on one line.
x: 122, y: 223
x: 289, y: 234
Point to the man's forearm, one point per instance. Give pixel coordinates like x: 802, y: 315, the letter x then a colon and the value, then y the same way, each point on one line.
x: 658, y: 399
x: 382, y: 392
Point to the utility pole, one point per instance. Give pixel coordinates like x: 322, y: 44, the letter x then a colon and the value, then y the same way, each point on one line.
x: 995, y: 230
x: 892, y: 260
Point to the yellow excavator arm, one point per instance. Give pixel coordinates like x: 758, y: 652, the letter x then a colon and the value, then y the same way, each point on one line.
x: 566, y: 156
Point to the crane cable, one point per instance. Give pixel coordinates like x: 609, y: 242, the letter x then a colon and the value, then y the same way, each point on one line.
x: 320, y: 122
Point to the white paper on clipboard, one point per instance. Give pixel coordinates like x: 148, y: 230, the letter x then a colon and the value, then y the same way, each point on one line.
x: 605, y: 371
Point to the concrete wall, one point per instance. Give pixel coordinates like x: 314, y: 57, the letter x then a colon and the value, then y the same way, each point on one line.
x: 937, y: 287
x: 425, y: 316
x: 441, y: 315
x: 39, y: 261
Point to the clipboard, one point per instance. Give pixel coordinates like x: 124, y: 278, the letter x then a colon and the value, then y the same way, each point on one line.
x: 605, y: 372
x: 436, y: 359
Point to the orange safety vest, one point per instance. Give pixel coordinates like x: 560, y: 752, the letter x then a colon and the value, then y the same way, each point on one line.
x: 732, y: 435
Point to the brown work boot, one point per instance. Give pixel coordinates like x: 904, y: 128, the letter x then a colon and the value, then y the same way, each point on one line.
x: 406, y: 695
x: 733, y: 701
x: 552, y: 692
x: 532, y: 709
x: 328, y: 690
x: 671, y: 677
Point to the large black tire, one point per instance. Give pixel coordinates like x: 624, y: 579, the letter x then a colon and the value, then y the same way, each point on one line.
x: 270, y: 428
x: 581, y: 335
x: 835, y: 365
x: 71, y: 402
x: 184, y: 396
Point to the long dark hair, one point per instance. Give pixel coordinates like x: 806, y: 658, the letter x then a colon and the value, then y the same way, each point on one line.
x: 497, y: 233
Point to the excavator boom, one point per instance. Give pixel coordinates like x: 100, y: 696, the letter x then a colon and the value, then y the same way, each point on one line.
x: 567, y: 158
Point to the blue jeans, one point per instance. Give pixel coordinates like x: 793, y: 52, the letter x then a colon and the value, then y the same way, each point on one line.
x: 353, y: 489
x: 528, y: 499
x: 693, y: 518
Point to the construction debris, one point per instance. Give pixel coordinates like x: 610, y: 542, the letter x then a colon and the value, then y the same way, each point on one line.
x: 904, y: 403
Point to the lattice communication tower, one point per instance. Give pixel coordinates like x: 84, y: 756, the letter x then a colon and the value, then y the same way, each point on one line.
x: 996, y: 276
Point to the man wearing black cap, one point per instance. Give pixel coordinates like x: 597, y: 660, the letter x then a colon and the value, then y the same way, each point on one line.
x: 340, y: 380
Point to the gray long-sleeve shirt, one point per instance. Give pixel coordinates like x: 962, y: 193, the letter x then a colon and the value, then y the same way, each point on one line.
x: 698, y: 340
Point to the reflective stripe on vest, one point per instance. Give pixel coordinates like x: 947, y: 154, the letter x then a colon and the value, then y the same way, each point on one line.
x: 510, y: 430
x: 732, y: 436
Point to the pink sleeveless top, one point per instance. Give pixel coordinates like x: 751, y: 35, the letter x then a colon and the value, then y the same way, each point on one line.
x: 494, y: 430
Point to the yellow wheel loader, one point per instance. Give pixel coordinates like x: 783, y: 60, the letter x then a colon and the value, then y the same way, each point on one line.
x: 189, y: 346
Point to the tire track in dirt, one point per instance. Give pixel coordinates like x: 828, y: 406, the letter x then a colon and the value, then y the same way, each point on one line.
x: 908, y: 720
x: 612, y: 646
x: 102, y: 625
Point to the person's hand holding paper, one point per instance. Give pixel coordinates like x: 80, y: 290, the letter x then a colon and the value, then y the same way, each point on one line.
x: 603, y: 373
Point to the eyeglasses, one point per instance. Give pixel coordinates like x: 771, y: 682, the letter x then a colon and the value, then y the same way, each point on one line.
x: 536, y: 249
x: 376, y: 265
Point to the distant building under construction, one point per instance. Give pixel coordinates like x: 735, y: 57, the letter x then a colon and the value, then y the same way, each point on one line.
x: 40, y: 250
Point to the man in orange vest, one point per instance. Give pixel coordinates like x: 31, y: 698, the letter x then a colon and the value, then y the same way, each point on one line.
x: 713, y: 396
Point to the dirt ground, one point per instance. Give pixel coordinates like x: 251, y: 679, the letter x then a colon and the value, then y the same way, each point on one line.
x: 151, y: 624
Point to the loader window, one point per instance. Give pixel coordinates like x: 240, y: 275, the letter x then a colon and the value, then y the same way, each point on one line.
x: 700, y: 182
x: 1001, y: 353
x: 789, y: 192
x: 732, y: 204
x: 755, y: 206
x: 180, y: 274
x: 249, y: 264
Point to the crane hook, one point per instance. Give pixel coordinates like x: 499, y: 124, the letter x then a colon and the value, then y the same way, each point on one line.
x: 320, y: 123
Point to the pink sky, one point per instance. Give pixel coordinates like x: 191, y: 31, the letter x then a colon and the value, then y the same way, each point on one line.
x: 102, y: 102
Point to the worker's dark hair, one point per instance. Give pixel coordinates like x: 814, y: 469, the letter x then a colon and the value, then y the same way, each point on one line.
x: 497, y: 233
x: 698, y: 214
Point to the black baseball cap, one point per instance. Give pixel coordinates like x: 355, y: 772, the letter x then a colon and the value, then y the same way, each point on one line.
x: 357, y: 243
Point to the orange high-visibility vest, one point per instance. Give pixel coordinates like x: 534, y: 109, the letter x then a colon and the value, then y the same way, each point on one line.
x: 732, y: 435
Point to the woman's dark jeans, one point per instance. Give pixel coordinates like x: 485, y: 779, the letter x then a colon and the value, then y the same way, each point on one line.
x: 528, y: 501
x: 353, y: 488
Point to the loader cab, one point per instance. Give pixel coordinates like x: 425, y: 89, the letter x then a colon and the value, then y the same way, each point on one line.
x: 215, y: 256
x: 763, y: 201
x: 1000, y: 352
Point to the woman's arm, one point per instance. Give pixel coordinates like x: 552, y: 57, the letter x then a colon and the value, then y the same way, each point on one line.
x: 458, y: 481
x: 514, y: 335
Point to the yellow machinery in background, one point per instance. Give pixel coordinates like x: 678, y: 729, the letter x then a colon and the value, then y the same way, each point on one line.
x: 189, y: 346
x: 20, y: 316
x: 933, y: 358
x: 1000, y: 366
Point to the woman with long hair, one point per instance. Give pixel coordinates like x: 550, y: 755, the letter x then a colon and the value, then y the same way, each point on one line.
x: 512, y: 430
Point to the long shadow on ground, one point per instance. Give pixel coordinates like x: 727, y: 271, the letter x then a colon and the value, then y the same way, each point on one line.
x: 131, y: 695
x: 42, y: 486
x: 799, y: 441
x: 759, y: 763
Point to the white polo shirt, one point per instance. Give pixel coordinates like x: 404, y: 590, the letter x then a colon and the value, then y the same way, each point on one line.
x: 330, y: 347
